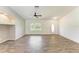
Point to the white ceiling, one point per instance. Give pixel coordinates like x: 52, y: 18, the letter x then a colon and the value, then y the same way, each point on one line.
x: 47, y: 12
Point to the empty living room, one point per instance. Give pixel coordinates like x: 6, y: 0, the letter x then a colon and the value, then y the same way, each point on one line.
x: 39, y: 29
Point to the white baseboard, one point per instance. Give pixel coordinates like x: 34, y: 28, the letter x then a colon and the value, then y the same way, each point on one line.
x: 41, y: 34
x: 19, y: 37
x: 75, y: 40
x: 1, y: 41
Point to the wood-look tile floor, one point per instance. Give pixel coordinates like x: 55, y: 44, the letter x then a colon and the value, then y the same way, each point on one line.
x: 40, y: 44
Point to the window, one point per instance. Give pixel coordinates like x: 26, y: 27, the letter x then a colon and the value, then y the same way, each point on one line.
x: 52, y: 27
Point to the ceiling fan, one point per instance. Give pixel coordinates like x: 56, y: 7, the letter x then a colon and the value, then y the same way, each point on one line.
x: 36, y: 12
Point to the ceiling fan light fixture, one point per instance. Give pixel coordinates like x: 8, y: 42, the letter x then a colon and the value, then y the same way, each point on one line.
x: 55, y: 17
x: 36, y: 12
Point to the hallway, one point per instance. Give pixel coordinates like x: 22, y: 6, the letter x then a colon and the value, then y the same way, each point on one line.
x: 40, y: 44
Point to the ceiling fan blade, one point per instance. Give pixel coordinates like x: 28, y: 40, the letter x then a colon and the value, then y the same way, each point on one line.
x: 39, y: 15
x: 35, y: 14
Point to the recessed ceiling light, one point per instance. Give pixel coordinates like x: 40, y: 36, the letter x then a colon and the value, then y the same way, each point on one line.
x: 6, y: 15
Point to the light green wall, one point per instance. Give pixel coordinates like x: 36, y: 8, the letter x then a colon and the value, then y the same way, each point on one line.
x: 69, y: 25
x: 45, y: 26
